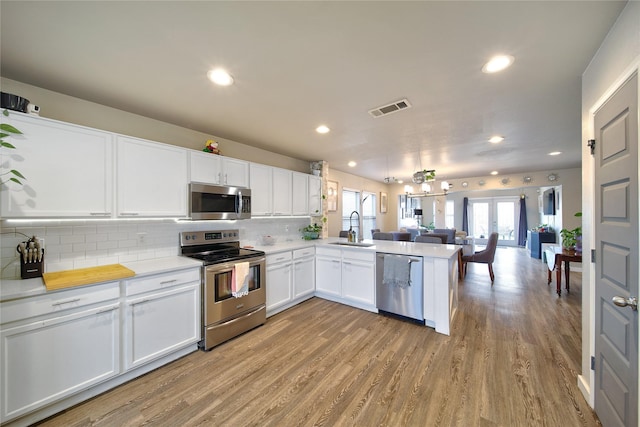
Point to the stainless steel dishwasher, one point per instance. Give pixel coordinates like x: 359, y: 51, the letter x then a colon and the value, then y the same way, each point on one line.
x: 404, y: 295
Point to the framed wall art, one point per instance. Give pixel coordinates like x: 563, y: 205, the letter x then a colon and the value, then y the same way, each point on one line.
x: 332, y: 196
x: 383, y: 202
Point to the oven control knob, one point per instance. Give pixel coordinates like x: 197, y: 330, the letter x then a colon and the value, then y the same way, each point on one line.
x: 193, y: 237
x: 187, y: 237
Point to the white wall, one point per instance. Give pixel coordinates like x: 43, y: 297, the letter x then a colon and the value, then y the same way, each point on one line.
x: 616, y: 60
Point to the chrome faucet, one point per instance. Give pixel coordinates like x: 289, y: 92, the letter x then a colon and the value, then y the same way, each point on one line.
x: 352, y: 233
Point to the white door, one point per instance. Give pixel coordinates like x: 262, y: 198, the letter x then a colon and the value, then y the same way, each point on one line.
x: 616, y: 243
x: 497, y: 214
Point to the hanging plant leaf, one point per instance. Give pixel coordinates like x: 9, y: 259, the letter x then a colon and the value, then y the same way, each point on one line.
x: 6, y: 144
x: 18, y: 174
x: 8, y: 128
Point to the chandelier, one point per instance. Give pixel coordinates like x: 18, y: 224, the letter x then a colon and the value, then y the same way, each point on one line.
x: 424, y: 175
x: 426, y: 189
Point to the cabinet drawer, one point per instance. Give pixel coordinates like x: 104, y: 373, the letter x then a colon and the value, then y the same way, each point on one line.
x: 56, y: 302
x: 327, y: 251
x: 301, y: 253
x: 279, y: 257
x: 359, y: 255
x: 161, y: 281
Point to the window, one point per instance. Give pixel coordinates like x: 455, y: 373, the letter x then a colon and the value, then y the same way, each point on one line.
x: 350, y: 203
x: 448, y: 214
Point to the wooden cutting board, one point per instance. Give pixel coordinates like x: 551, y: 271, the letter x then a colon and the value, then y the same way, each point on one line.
x: 85, y: 276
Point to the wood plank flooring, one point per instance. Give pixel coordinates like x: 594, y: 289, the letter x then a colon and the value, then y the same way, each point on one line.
x: 512, y: 360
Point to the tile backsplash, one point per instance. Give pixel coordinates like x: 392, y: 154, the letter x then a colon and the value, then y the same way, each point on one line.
x: 88, y: 243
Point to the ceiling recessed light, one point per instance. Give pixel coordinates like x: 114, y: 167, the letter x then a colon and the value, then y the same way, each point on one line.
x: 494, y: 172
x: 496, y: 139
x: 400, y: 181
x: 498, y: 63
x: 220, y: 77
x: 555, y: 153
x: 322, y: 129
x: 351, y: 164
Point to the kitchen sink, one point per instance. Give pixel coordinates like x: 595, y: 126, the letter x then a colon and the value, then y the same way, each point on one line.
x: 361, y: 244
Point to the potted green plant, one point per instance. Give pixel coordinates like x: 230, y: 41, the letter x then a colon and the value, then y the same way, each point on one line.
x: 572, y: 239
x: 5, y: 131
x: 311, y: 231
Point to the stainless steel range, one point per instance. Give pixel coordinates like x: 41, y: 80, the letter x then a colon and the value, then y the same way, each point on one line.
x: 226, y: 312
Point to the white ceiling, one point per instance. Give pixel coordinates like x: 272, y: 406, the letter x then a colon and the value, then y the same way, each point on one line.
x: 300, y: 64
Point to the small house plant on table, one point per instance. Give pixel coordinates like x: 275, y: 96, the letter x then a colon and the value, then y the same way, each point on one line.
x: 311, y: 231
x: 572, y: 239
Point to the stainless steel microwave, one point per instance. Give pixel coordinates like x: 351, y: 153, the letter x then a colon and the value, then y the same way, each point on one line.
x: 208, y: 201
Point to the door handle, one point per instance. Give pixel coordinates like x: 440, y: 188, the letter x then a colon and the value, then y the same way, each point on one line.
x: 623, y: 302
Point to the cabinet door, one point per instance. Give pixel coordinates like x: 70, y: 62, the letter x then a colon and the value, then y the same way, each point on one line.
x: 281, y: 192
x: 329, y: 276
x: 235, y: 172
x: 304, y: 275
x: 49, y: 359
x: 278, y: 285
x: 204, y: 167
x: 151, y: 179
x: 68, y: 170
x: 315, y: 195
x: 158, y: 323
x: 261, y: 190
x: 300, y: 194
x: 358, y: 281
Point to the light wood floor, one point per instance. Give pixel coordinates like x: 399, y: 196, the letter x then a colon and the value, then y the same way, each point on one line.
x: 512, y: 360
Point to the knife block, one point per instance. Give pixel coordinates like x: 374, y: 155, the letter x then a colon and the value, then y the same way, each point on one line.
x: 29, y: 270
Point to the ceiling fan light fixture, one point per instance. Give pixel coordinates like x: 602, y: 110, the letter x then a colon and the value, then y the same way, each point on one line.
x: 498, y: 63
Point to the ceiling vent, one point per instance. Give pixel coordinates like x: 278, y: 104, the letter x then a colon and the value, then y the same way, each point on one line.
x: 394, y: 107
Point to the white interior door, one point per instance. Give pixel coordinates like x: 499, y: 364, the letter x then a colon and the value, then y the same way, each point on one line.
x: 496, y: 214
x: 616, y: 243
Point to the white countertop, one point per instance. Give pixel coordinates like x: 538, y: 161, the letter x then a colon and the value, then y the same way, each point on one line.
x: 432, y: 250
x: 18, y: 288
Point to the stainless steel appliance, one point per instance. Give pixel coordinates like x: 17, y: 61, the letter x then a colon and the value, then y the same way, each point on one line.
x: 401, y: 296
x: 223, y: 315
x: 219, y: 202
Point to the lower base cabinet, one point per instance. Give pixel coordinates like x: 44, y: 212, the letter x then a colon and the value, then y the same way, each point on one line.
x: 64, y: 347
x: 71, y: 343
x: 290, y: 279
x: 163, y: 320
x: 346, y: 276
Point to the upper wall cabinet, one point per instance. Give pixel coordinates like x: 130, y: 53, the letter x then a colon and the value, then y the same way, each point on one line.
x: 218, y: 170
x: 281, y: 191
x: 261, y: 189
x: 300, y: 193
x: 151, y: 179
x: 68, y: 170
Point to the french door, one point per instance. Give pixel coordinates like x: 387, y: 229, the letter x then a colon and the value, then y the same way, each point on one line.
x: 497, y: 214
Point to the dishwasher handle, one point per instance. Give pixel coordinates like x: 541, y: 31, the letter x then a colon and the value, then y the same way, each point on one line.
x: 410, y: 260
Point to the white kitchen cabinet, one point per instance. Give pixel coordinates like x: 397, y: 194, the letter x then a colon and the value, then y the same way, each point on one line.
x: 359, y: 277
x: 299, y: 193
x: 329, y: 273
x: 68, y: 170
x: 282, y: 195
x: 162, y: 315
x: 218, y: 170
x: 346, y: 276
x: 58, y: 344
x: 279, y: 281
x: 315, y: 195
x: 151, y: 179
x: 304, y: 273
x: 235, y: 172
x: 261, y: 184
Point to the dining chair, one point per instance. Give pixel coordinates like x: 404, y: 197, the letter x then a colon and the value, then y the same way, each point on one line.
x: 378, y: 235
x: 428, y: 239
x: 485, y: 256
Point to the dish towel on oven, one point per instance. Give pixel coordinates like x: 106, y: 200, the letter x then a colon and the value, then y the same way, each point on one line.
x: 240, y: 280
x: 397, y: 271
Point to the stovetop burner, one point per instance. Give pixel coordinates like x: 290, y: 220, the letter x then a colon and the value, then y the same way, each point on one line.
x: 215, y: 247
